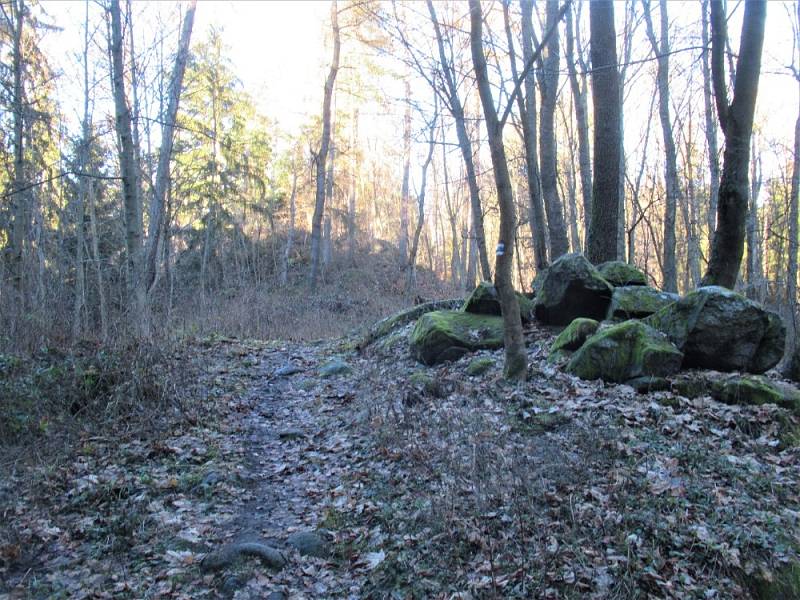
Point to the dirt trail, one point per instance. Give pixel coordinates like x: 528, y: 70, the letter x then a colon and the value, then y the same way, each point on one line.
x: 298, y: 445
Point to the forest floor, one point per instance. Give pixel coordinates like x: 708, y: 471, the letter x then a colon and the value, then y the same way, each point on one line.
x: 316, y: 471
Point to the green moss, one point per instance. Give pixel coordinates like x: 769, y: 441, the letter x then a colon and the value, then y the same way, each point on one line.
x: 747, y: 390
x: 479, y: 366
x: 638, y: 301
x: 625, y: 351
x: 619, y: 273
x: 428, y: 384
x: 447, y: 335
x: 575, y: 334
x: 484, y: 300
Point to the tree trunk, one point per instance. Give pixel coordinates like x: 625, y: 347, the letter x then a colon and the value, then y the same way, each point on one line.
x: 465, y: 145
x: 83, y: 161
x: 321, y: 156
x: 516, y: 357
x: 156, y: 225
x: 548, y: 83
x: 602, y: 244
x: 527, y: 110
x: 693, y: 241
x: 582, y: 118
x: 19, y: 197
x: 287, y: 253
x: 405, y: 193
x: 711, y: 129
x: 351, y: 207
x: 411, y: 267
x: 736, y: 121
x: 754, y: 274
x: 129, y: 172
x: 670, y: 274
x: 791, y: 271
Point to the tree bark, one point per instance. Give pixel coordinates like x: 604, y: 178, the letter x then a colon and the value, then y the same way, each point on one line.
x: 527, y: 111
x: 515, y: 355
x: 711, y: 129
x: 19, y: 196
x: 791, y: 271
x: 156, y: 225
x: 287, y: 253
x: 582, y: 118
x: 602, y: 244
x: 548, y: 83
x: 736, y: 121
x: 456, y: 108
x: 129, y: 173
x: 411, y: 266
x: 754, y: 272
x: 322, y: 155
x: 405, y: 193
x: 661, y: 50
x: 351, y: 207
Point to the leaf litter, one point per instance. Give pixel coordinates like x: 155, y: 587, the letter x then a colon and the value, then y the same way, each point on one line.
x: 556, y: 488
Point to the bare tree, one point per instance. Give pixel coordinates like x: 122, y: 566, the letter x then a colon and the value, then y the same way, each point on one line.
x: 791, y: 271
x: 548, y: 83
x: 405, y: 193
x: 661, y: 50
x: 579, y: 93
x: 322, y: 154
x: 157, y: 205
x: 736, y: 122
x: 128, y: 170
x: 602, y: 243
x: 527, y: 110
x: 19, y: 196
x: 516, y: 358
x: 456, y: 109
x: 411, y: 266
x: 711, y: 126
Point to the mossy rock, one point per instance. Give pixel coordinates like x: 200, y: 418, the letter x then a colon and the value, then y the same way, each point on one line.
x: 638, y: 301
x: 619, y: 273
x: 719, y: 329
x: 792, y: 369
x: 570, y: 288
x: 427, y: 383
x: 334, y: 367
x: 404, y: 317
x: 647, y: 384
x: 575, y: 334
x: 479, y: 366
x: 622, y: 352
x: 445, y: 335
x: 485, y: 300
x: 753, y: 390
x: 691, y: 385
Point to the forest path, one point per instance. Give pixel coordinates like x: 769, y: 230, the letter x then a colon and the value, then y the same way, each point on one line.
x: 297, y: 446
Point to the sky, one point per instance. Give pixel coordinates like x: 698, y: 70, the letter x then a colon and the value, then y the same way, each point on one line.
x: 279, y: 50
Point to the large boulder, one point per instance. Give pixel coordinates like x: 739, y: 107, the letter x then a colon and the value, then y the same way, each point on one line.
x: 720, y: 329
x: 574, y: 335
x: 625, y: 351
x: 570, y: 288
x: 445, y: 335
x: 484, y: 300
x: 792, y: 369
x: 638, y: 301
x: 620, y: 274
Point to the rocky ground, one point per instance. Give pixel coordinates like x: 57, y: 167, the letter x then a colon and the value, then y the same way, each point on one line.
x: 325, y: 472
